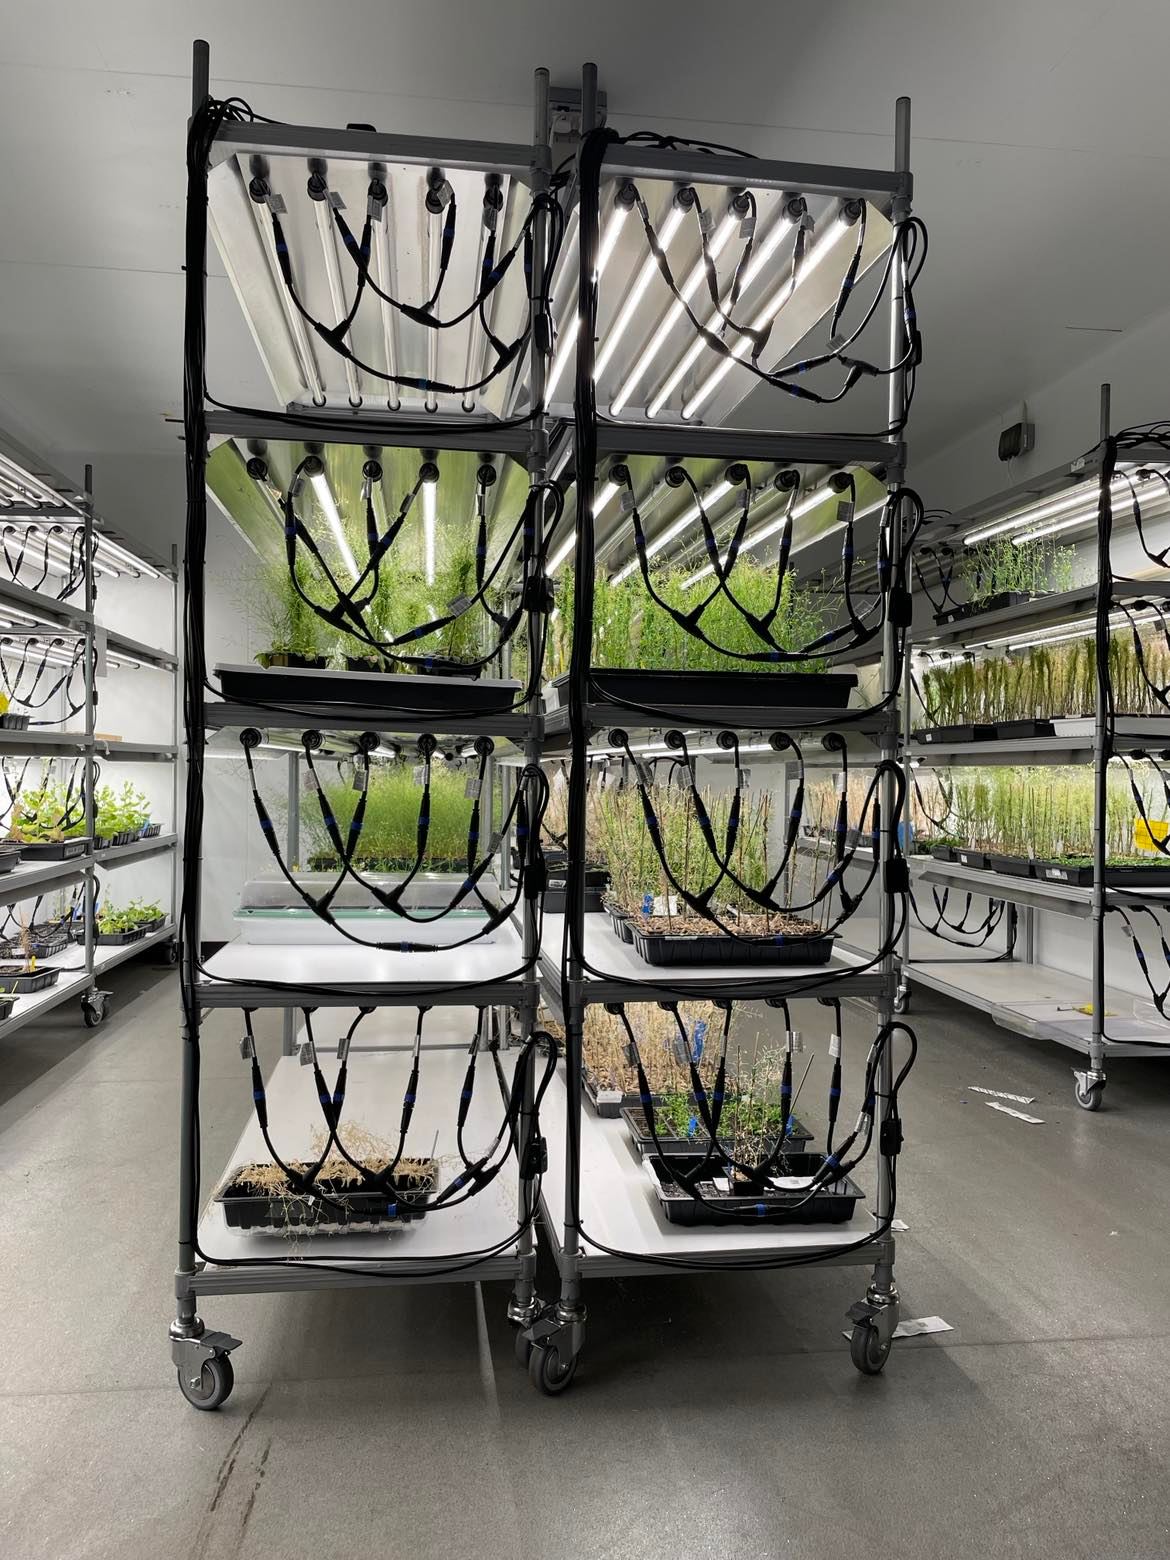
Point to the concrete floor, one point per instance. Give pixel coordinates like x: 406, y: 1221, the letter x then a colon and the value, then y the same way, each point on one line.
x: 711, y: 1416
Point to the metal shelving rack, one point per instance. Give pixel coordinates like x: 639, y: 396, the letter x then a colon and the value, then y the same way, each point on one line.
x: 596, y: 1196
x: 34, y: 493
x: 341, y: 977
x: 1022, y: 994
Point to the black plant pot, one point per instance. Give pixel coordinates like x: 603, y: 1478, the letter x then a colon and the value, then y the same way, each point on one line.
x: 11, y: 722
x: 55, y: 850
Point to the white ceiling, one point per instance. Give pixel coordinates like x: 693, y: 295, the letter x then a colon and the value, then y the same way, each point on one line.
x: 1039, y: 149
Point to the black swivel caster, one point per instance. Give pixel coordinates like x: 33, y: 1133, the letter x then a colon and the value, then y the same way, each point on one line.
x: 1089, y: 1092
x: 547, y: 1372
x: 214, y: 1387
x: 94, y: 1010
x: 867, y: 1350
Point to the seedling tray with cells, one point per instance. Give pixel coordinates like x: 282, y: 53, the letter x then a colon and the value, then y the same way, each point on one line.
x: 260, y: 1197
x: 780, y: 1198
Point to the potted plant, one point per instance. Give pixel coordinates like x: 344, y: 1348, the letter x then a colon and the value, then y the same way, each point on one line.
x: 22, y: 976
x: 1000, y: 573
x: 48, y: 825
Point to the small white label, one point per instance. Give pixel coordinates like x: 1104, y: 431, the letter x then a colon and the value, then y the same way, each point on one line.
x: 609, y: 1096
x: 999, y: 1094
x: 1033, y: 1121
x: 721, y: 1185
x: 471, y: 789
x: 660, y: 906
x: 419, y: 773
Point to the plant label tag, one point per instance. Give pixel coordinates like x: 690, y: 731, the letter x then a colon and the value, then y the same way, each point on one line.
x: 789, y: 1183
x: 647, y: 904
x: 662, y: 905
x: 471, y: 789
x: 609, y: 1096
x: 722, y: 1185
x: 698, y: 1037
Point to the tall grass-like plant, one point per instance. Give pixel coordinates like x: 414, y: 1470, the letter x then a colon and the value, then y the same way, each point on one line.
x: 1030, y: 568
x: 388, y: 838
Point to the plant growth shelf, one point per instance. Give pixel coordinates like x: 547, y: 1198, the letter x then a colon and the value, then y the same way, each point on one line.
x: 377, y: 1084
x: 619, y: 1209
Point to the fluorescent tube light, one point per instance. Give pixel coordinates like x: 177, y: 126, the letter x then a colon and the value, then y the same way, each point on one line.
x: 603, y: 498
x: 720, y: 490
x: 814, y: 500
x: 382, y: 263
x: 694, y: 351
x: 649, y: 269
x: 568, y: 331
x: 325, y: 498
x: 675, y: 313
x: 430, y: 505
x: 771, y: 309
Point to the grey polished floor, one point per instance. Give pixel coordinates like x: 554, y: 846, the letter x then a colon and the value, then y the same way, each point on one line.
x: 715, y: 1416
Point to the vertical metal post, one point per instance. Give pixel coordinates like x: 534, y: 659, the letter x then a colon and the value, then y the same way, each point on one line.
x: 570, y: 1308
x: 522, y: 1305
x: 88, y: 766
x: 882, y: 1290
x: 178, y: 767
x: 288, y: 1032
x: 187, y: 1323
x: 1101, y: 737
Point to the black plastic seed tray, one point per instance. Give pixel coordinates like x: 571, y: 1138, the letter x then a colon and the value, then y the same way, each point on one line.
x: 17, y: 981
x: 1011, y: 866
x: 43, y: 947
x: 1006, y: 730
x: 9, y: 857
x: 932, y: 735
x: 764, y: 1201
x: 740, y: 698
x: 118, y: 939
x: 555, y: 897
x: 610, y: 1109
x: 6, y: 1006
x: 968, y: 609
x: 11, y: 722
x: 56, y: 850
x: 798, y: 1136
x: 1156, y: 875
x: 150, y: 831
x: 245, y: 1209
x: 620, y: 922
x: 399, y: 691
x: 943, y: 852
x: 661, y: 948
x: 972, y: 858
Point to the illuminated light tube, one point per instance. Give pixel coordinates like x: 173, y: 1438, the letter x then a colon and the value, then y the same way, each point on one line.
x: 654, y: 346
x: 568, y: 334
x: 430, y: 506
x: 1079, y: 628
x: 720, y: 490
x: 1084, y: 516
x: 696, y: 348
x: 603, y: 498
x: 325, y: 498
x: 323, y: 215
x: 434, y: 245
x: 1085, y: 496
x: 771, y: 309
x: 28, y: 488
x: 476, y: 340
x: 649, y: 269
x: 385, y: 282
x: 302, y: 351
x: 814, y: 500
x: 124, y: 556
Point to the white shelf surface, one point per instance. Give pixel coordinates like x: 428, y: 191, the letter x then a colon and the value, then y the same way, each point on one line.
x: 362, y: 970
x: 374, y: 1102
x: 618, y: 961
x: 619, y: 1208
x: 1041, y: 1002
x: 861, y: 933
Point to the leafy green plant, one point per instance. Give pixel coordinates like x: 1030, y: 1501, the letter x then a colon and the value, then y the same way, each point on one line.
x: 46, y: 814
x: 112, y: 919
x: 1030, y: 568
x: 389, y: 831
x: 631, y: 629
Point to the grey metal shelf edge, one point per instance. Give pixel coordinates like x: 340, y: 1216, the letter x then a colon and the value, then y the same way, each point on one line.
x: 35, y: 609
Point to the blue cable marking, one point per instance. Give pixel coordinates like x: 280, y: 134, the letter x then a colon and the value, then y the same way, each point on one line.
x: 465, y: 1095
x: 834, y: 1094
x: 832, y: 1162
x: 761, y: 1209
x: 391, y: 1210
x: 408, y: 1099
x: 257, y: 1094
x: 646, y: 1099
x: 325, y: 1099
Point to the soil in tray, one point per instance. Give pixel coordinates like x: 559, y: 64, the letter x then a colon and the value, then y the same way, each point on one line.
x: 765, y: 1202
x: 259, y: 1197
x: 691, y: 940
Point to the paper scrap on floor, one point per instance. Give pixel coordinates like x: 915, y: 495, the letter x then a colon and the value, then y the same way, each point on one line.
x: 1001, y: 1094
x: 917, y: 1327
x: 1033, y: 1121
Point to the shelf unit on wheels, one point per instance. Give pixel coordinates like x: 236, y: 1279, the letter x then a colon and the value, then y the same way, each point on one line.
x: 1018, y: 990
x: 596, y: 1209
x: 499, y: 976
x: 54, y: 537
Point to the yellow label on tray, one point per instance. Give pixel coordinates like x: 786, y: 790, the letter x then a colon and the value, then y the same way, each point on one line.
x: 1149, y: 834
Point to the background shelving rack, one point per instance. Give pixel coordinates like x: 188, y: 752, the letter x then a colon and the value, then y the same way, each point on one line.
x: 1018, y: 992
x: 240, y: 976
x: 597, y: 1189
x: 47, y: 496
